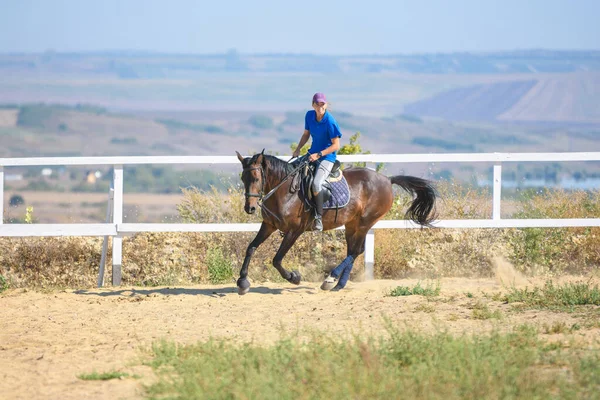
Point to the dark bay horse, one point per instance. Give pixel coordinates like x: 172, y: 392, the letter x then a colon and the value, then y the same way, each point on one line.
x: 371, y: 197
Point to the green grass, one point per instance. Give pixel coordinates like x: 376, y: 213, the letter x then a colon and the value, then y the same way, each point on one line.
x: 220, y: 269
x: 103, y: 376
x: 404, y: 364
x: 482, y: 311
x: 428, y: 291
x: 3, y: 284
x: 558, y: 297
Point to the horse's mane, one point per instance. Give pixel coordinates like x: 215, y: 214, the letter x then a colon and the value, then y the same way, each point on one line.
x: 276, y: 166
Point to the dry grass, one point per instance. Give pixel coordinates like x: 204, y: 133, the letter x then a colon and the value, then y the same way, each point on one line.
x: 185, y: 258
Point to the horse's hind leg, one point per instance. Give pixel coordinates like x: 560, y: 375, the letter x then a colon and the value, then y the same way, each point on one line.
x: 263, y: 233
x: 286, y: 244
x: 355, y: 241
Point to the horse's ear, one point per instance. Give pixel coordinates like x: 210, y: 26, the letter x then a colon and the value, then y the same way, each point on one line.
x: 240, y: 157
x: 261, y: 157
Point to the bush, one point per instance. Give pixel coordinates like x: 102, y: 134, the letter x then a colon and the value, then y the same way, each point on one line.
x: 35, y: 115
x: 50, y: 261
x: 186, y: 258
x: 3, y: 284
x: 219, y: 267
x: 16, y: 200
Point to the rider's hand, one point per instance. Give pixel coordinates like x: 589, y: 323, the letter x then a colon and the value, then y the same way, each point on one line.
x: 296, y: 153
x: 313, y: 157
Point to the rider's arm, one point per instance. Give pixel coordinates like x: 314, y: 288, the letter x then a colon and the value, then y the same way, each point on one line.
x: 335, y: 146
x: 303, y: 139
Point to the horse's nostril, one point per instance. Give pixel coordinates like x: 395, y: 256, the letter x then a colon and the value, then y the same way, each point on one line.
x: 252, y: 210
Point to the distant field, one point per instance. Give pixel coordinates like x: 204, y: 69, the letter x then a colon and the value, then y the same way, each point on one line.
x: 381, y: 94
x: 557, y: 98
x: 53, y: 207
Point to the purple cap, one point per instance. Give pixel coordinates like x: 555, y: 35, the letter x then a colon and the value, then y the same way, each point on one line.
x: 319, y: 98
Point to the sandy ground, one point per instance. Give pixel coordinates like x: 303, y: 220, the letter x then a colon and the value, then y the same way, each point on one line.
x: 48, y: 339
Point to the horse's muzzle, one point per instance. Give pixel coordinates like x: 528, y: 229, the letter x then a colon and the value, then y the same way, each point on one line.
x: 249, y: 209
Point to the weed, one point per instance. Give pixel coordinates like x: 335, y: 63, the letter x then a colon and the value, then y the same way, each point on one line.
x: 103, y: 376
x: 553, y: 296
x: 425, y: 307
x: 404, y: 364
x: 556, y: 327
x: 453, y: 317
x: 429, y: 291
x: 220, y: 269
x: 3, y: 283
x: 482, y: 311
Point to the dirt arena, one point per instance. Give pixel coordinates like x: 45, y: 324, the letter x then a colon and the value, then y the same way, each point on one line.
x: 48, y: 339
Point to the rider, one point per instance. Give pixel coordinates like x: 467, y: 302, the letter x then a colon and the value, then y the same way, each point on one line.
x: 325, y: 132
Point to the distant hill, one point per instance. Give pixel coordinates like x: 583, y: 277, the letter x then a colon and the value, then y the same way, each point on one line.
x: 536, y: 85
x: 142, y: 65
x: 36, y: 130
x: 559, y: 98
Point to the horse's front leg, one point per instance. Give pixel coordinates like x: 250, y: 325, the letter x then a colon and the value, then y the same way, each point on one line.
x: 286, y: 244
x: 263, y: 233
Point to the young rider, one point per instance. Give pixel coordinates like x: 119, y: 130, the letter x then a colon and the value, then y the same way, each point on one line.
x: 325, y: 132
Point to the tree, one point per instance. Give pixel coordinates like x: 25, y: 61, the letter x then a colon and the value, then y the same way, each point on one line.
x: 351, y: 148
x: 355, y: 148
x: 16, y: 200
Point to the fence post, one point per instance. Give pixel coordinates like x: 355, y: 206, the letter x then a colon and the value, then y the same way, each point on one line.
x: 109, y: 214
x: 370, y: 255
x: 370, y: 243
x: 1, y: 194
x: 117, y: 249
x: 497, y: 191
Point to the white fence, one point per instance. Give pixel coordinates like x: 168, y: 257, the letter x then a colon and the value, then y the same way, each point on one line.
x: 117, y: 229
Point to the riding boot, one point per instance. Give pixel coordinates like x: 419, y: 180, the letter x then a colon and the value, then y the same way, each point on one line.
x: 319, y: 199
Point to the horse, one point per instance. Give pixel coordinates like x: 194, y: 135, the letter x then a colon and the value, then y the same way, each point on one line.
x: 267, y: 186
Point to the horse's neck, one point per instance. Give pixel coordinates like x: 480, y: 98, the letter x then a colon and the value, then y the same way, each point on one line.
x: 272, y: 179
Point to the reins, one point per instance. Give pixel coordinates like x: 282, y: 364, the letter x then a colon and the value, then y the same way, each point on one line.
x: 261, y: 198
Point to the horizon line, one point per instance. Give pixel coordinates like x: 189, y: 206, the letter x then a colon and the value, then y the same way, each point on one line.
x: 141, y: 52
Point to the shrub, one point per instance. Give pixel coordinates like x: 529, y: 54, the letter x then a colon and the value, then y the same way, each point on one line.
x: 35, y: 115
x: 219, y: 267
x: 3, y: 284
x: 185, y: 258
x: 50, y: 261
x: 16, y: 200
x: 428, y: 291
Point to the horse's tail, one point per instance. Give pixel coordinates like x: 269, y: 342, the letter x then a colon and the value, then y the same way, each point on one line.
x: 422, y: 209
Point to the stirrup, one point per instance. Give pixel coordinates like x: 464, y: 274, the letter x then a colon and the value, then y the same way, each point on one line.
x: 318, y: 224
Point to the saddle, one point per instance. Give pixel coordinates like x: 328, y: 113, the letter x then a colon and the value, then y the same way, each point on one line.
x: 303, y: 182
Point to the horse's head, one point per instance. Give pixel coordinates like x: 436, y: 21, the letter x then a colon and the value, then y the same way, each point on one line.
x: 253, y: 176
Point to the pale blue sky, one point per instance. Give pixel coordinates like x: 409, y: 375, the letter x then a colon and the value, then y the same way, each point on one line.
x: 282, y: 26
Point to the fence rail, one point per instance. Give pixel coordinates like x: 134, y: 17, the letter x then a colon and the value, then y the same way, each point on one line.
x: 114, y: 227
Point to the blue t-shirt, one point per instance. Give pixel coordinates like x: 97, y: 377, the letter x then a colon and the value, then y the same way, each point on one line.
x: 322, y: 133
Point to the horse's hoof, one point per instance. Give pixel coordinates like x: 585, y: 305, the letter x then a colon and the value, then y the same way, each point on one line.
x: 243, y: 291
x: 329, y: 283
x: 337, y: 288
x: 243, y: 286
x: 295, y: 278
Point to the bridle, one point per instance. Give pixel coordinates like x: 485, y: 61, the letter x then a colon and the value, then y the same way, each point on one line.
x: 261, y: 196
x: 262, y: 179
